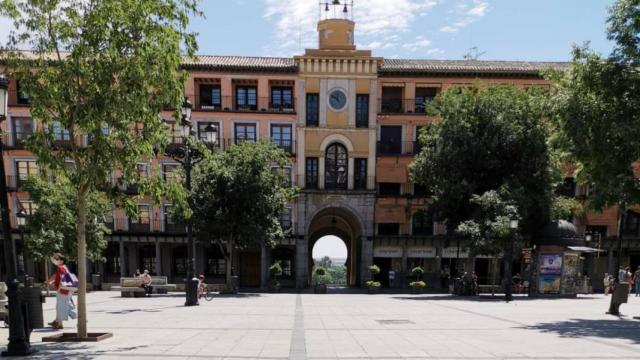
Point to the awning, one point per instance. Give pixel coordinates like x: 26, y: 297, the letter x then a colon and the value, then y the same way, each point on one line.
x: 585, y: 249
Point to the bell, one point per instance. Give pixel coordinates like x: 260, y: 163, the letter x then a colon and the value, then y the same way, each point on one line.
x: 345, y: 10
x: 326, y: 7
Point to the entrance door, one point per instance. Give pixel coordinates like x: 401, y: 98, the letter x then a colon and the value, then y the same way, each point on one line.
x: 385, y: 265
x: 250, y: 269
x: 391, y: 140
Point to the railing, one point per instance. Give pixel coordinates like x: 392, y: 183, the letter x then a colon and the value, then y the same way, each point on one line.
x: 15, y: 139
x: 126, y: 225
x: 402, y: 106
x: 398, y: 148
x: 287, y: 145
x: 231, y: 104
x: 312, y: 183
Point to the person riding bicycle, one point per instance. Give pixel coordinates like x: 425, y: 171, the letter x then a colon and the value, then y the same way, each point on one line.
x: 202, y: 286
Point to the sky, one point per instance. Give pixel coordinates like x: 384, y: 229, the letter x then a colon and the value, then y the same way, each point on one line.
x: 423, y: 29
x: 431, y: 29
x: 330, y: 246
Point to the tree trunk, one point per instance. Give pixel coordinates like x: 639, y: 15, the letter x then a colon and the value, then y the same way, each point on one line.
x: 508, y: 261
x: 229, y: 278
x: 82, y: 263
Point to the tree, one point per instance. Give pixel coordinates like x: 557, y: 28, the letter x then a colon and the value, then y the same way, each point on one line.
x: 238, y: 199
x: 489, y: 230
x: 597, y: 117
x: 325, y: 262
x: 487, y: 138
x: 105, y: 70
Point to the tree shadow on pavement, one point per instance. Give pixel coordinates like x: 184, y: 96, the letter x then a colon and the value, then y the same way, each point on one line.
x: 75, y: 350
x: 575, y: 328
x: 496, y: 298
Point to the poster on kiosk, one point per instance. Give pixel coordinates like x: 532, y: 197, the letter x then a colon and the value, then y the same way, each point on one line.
x: 550, y: 273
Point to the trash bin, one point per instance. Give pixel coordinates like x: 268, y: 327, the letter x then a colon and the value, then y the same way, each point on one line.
x: 33, y: 299
x: 96, y: 281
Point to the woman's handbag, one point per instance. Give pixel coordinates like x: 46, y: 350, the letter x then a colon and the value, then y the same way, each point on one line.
x: 73, y: 312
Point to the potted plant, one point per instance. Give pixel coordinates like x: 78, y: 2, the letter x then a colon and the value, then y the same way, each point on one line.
x: 275, y: 270
x: 373, y: 287
x: 320, y: 280
x: 417, y: 286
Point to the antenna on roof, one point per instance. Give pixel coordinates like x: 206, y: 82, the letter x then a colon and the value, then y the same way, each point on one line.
x: 473, y: 54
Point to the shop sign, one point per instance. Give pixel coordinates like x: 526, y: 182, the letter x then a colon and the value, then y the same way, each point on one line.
x: 421, y: 252
x: 387, y: 251
x: 452, y: 252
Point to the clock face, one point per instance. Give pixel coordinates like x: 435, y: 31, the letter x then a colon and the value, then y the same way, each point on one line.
x: 337, y: 100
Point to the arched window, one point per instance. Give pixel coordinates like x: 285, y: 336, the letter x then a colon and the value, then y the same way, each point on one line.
x: 336, y: 167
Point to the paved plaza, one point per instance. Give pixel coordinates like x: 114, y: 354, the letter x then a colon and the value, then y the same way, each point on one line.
x: 349, y: 326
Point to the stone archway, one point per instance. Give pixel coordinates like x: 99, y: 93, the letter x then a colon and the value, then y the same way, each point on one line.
x: 342, y: 223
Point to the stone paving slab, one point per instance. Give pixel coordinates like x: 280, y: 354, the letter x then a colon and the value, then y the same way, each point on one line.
x: 349, y: 326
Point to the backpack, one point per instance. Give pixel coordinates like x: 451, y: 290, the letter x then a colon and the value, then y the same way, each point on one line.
x: 69, y: 281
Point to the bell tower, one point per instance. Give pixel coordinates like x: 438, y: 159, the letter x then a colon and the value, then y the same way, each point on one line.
x: 336, y: 26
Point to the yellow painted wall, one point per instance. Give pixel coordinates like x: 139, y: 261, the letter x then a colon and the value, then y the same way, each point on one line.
x: 337, y: 120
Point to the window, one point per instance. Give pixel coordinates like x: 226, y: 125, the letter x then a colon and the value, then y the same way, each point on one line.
x: 422, y: 223
x: 391, y: 102
x: 147, y: 259
x: 216, y: 264
x: 336, y: 163
x: 389, y: 189
x: 567, y: 188
x: 311, y: 171
x: 142, y: 169
x: 171, y: 223
x: 631, y: 223
x: 598, y: 232
x: 29, y: 207
x: 389, y: 229
x: 246, y: 98
x: 210, y: 97
x: 313, y: 109
x: 60, y: 134
x: 362, y: 111
x: 23, y: 98
x: 112, y: 255
x: 281, y: 136
x: 281, y: 99
x: 245, y: 132
x: 22, y: 129
x: 423, y: 96
x: 285, y: 257
x: 25, y: 169
x: 175, y: 133
x: 142, y: 223
x: 360, y: 175
x: 285, y: 172
x: 390, y: 140
x: 285, y: 218
x: 169, y: 172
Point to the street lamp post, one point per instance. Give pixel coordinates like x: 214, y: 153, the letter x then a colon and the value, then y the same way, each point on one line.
x: 21, y: 221
x: 18, y: 332
x: 188, y: 155
x: 508, y: 291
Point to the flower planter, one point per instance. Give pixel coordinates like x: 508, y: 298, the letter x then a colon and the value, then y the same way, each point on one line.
x: 416, y: 290
x: 320, y: 289
x: 373, y: 290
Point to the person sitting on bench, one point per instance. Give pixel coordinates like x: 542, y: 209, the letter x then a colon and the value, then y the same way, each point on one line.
x: 146, y: 282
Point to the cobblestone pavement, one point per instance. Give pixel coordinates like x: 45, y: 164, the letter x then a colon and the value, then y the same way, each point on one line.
x: 349, y: 326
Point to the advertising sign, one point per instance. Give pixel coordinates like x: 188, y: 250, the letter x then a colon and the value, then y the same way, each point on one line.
x: 421, y: 252
x: 387, y: 251
x: 550, y: 264
x: 549, y: 284
x: 452, y: 252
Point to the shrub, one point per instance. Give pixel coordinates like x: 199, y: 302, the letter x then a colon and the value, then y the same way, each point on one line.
x: 320, y: 271
x: 275, y: 270
x: 417, y: 272
x: 373, y: 284
x: 374, y: 269
x: 418, y: 284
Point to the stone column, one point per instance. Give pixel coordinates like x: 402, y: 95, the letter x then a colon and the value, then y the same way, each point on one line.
x: 158, y: 259
x: 302, y: 262
x: 366, y: 259
x: 123, y: 264
x: 404, y: 270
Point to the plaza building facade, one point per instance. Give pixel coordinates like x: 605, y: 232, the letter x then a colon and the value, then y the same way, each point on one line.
x: 349, y: 121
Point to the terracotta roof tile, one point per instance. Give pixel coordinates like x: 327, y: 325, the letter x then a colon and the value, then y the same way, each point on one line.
x: 396, y: 66
x: 244, y: 63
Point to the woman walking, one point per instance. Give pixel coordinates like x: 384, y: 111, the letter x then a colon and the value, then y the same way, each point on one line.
x: 64, y: 302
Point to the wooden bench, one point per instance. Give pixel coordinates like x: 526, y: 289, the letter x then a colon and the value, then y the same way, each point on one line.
x: 488, y: 289
x: 131, y: 287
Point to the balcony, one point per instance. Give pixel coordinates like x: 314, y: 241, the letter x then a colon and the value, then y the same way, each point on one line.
x: 313, y: 183
x: 155, y: 226
x: 288, y: 146
x: 398, y: 106
x: 256, y: 105
x: 397, y: 148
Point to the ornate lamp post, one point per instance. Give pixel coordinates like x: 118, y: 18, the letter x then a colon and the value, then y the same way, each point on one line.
x: 18, y: 333
x: 188, y: 155
x: 21, y: 220
x: 508, y: 291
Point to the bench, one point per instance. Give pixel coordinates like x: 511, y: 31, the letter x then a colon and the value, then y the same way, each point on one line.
x: 220, y: 288
x: 488, y: 289
x: 131, y: 287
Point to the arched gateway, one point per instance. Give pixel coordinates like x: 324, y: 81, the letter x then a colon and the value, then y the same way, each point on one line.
x: 340, y: 222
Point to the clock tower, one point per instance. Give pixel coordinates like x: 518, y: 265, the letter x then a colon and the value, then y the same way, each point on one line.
x: 336, y: 147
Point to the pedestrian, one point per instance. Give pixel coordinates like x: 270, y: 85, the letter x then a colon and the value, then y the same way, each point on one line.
x: 606, y: 282
x: 392, y: 277
x: 146, y: 283
x: 64, y: 301
x: 516, y: 282
x: 636, y: 280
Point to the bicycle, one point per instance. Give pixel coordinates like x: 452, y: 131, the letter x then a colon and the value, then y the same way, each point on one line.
x: 206, y: 293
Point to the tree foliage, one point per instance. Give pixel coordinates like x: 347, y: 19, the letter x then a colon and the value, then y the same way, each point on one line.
x: 238, y: 199
x: 104, y: 71
x: 596, y: 113
x: 487, y: 138
x: 56, y: 199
